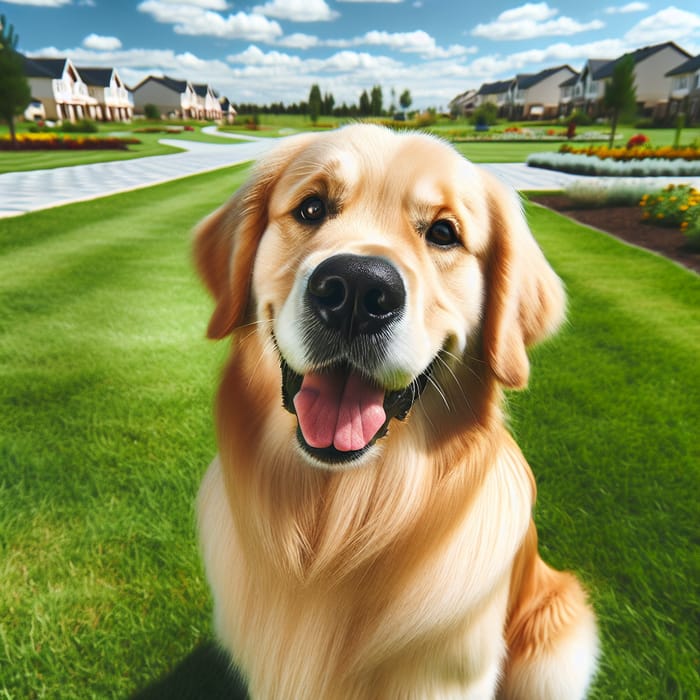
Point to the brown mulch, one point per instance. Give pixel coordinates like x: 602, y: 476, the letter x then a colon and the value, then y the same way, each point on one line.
x: 626, y: 223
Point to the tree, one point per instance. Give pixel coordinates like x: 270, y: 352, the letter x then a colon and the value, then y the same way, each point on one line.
x: 620, y: 97
x: 365, y: 105
x: 405, y: 100
x: 328, y: 104
x: 315, y: 102
x: 376, y: 101
x: 15, y: 93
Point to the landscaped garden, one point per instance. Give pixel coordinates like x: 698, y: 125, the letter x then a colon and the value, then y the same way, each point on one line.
x: 106, y: 430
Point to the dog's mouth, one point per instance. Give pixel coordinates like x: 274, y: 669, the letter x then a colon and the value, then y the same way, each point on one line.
x: 341, y: 412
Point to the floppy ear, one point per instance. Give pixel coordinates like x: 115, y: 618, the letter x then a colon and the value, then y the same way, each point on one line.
x: 225, y: 243
x: 525, y: 298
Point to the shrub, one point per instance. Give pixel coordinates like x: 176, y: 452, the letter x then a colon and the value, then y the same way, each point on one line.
x: 602, y: 193
x: 56, y: 142
x: 676, y: 206
x: 151, y: 111
x: 84, y: 126
x: 580, y: 118
x: 485, y: 115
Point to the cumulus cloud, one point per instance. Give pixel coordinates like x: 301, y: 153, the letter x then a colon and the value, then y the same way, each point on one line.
x: 204, y: 4
x: 101, y: 43
x: 40, y: 3
x: 299, y: 41
x: 297, y: 10
x: 193, y: 20
x: 530, y: 21
x: 253, y: 56
x: 625, y: 9
x: 669, y: 24
x: 419, y: 42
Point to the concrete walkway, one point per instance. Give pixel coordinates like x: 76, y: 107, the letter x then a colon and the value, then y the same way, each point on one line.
x: 23, y: 192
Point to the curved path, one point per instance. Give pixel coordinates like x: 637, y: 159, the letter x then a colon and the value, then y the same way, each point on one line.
x: 22, y: 192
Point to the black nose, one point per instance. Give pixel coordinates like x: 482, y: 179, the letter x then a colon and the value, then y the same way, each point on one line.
x: 355, y: 294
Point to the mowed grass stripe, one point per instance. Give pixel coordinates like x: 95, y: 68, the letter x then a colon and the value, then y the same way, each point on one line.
x: 106, y: 387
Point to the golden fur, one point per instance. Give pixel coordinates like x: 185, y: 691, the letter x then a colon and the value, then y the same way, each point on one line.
x: 415, y: 573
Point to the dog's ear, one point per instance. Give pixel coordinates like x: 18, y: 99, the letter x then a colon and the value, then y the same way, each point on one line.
x: 525, y: 298
x: 225, y: 243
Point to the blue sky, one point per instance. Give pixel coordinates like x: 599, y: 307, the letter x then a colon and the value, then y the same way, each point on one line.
x: 273, y: 50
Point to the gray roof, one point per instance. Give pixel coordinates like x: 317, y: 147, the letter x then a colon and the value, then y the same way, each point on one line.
x: 529, y: 79
x: 689, y: 66
x: 495, y: 88
x: 44, y: 67
x: 639, y: 55
x: 100, y: 77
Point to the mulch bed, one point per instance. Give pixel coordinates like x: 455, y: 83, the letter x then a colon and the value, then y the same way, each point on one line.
x: 626, y: 223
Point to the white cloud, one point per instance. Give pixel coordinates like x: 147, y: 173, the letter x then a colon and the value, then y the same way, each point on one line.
x: 253, y: 56
x: 625, y: 9
x: 393, y: 2
x: 299, y: 41
x: 669, y: 24
x: 101, y: 43
x: 191, y: 20
x: 40, y: 3
x: 204, y: 4
x: 297, y: 10
x: 530, y: 21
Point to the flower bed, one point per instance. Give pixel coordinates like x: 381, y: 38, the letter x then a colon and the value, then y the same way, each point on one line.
x: 636, y: 150
x: 676, y: 206
x: 56, y: 142
x: 585, y: 164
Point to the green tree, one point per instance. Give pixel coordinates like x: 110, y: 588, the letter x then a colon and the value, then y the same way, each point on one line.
x: 620, y: 97
x: 328, y: 104
x: 15, y: 93
x: 405, y: 100
x: 365, y: 108
x: 376, y: 101
x: 315, y: 102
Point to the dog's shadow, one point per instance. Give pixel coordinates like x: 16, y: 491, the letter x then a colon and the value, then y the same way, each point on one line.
x: 203, y: 675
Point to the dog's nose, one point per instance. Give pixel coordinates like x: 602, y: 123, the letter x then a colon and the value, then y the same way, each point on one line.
x: 355, y: 294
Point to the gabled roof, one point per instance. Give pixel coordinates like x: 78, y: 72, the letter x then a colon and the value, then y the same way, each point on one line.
x: 226, y: 105
x: 570, y: 82
x: 689, y: 66
x: 639, y: 55
x: 178, y: 86
x: 528, y: 80
x: 495, y: 88
x: 99, y: 77
x: 44, y: 67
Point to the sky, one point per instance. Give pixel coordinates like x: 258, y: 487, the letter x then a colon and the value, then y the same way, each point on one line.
x: 266, y: 51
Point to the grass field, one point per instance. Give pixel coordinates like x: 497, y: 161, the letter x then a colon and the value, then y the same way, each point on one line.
x: 150, y: 146
x: 106, y: 385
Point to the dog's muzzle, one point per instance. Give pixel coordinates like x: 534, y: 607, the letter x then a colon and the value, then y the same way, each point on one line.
x: 351, y: 304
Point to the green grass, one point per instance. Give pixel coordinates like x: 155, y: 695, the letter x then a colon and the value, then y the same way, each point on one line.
x: 106, y: 386
x: 39, y: 160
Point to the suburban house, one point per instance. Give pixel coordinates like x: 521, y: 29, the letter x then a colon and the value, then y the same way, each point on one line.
x: 208, y: 105
x: 494, y: 93
x: 651, y: 64
x: 653, y: 84
x: 536, y: 96
x: 57, y: 84
x: 228, y: 111
x: 173, y: 98
x: 685, y: 90
x: 114, y: 100
x: 464, y: 104
x: 586, y: 89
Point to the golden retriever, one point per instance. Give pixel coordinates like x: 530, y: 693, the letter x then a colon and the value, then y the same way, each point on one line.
x: 366, y: 527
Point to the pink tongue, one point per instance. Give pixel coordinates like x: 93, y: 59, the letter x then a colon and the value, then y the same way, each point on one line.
x: 339, y: 410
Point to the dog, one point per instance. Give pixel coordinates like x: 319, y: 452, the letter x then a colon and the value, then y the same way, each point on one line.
x: 366, y: 527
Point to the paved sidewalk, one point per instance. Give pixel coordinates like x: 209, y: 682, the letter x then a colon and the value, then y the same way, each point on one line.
x: 42, y: 189
x: 22, y: 192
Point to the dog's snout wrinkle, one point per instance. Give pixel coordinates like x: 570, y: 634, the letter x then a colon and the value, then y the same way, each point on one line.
x: 356, y: 295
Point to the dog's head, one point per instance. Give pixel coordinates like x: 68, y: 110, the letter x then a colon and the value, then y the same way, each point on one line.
x: 375, y: 261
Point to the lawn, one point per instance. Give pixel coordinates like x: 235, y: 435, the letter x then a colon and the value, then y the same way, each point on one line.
x: 150, y: 146
x: 106, y: 386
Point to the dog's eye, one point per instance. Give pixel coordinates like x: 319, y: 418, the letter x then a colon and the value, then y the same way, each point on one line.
x: 312, y: 210
x: 443, y: 234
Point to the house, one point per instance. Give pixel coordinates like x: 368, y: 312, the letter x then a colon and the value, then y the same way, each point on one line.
x: 208, y: 105
x: 685, y: 90
x: 585, y: 92
x: 494, y: 93
x: 464, y: 104
x: 536, y: 96
x: 58, y: 85
x: 172, y: 97
x: 228, y: 111
x: 651, y: 63
x: 114, y: 100
x: 35, y: 111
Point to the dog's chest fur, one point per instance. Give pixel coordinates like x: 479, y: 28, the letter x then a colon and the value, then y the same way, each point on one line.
x: 390, y: 627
